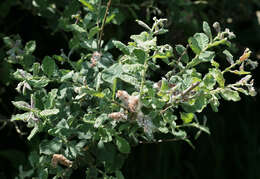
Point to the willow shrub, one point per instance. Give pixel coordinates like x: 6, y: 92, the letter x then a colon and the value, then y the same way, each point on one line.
x: 92, y: 111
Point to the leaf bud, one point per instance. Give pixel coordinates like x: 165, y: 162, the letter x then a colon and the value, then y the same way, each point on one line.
x: 217, y: 27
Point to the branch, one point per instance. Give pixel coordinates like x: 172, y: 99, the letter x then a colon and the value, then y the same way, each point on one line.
x: 103, y: 25
x: 194, y: 85
x: 182, y: 95
x: 160, y: 141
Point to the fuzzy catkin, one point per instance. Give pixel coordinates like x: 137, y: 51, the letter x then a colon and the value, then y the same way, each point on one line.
x: 60, y: 159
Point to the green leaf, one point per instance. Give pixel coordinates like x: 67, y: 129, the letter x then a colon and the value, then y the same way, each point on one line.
x: 194, y: 45
x: 202, y: 40
x: 240, y: 72
x: 33, y: 132
x: 203, y: 128
x: 76, y: 28
x: 207, y: 56
x: 100, y: 120
x: 229, y: 56
x: 187, y: 117
x: 218, y: 76
x: 209, y: 81
x: 207, y: 31
x: 130, y: 79
x: 190, y: 143
x: 50, y: 100
x: 164, y: 89
x: 98, y: 81
x: 164, y: 130
x: 9, y: 42
x: 30, y: 47
x: 22, y: 75
x: 50, y: 147
x: 23, y: 117
x: 214, y: 63
x: 180, y: 50
x: 91, y: 92
x: 62, y: 124
x: 122, y: 145
x: 36, y: 68
x: 48, y: 66
x: 141, y: 23
x: 144, y: 41
x: 109, y: 74
x: 133, y: 68
x: 67, y: 75
x: 195, y: 106
x: 39, y: 82
x: 179, y: 133
x: 230, y: 95
x: 198, y: 42
x: 220, y: 42
x: 214, y: 103
x: 93, y: 31
x: 87, y: 4
x: 241, y: 90
x: 49, y: 112
x: 121, y: 47
x: 140, y: 54
x: 22, y: 105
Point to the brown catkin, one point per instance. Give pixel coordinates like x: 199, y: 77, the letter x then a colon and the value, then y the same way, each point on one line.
x: 123, y: 96
x: 133, y: 103
x: 95, y: 58
x: 60, y: 159
x: 117, y: 115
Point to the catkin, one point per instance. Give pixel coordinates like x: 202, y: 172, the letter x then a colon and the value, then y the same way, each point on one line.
x: 117, y: 115
x: 95, y: 58
x: 131, y: 102
x: 60, y: 159
x: 123, y: 96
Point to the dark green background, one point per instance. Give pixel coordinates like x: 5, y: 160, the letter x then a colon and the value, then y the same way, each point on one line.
x: 231, y: 151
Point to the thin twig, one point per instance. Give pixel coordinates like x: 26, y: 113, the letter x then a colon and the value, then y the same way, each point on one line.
x: 182, y: 95
x: 194, y: 85
x: 160, y: 141
x: 122, y: 106
x: 183, y: 53
x: 103, y: 25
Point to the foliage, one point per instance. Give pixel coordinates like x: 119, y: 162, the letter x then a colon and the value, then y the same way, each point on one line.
x: 96, y: 108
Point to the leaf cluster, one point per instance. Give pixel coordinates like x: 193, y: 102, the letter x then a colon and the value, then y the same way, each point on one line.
x: 96, y: 108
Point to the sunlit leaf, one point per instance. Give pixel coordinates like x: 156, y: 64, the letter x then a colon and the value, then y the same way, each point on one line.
x: 22, y: 105
x: 23, y: 117
x: 207, y: 31
x: 49, y: 112
x: 187, y: 117
x: 87, y: 4
x: 230, y: 95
